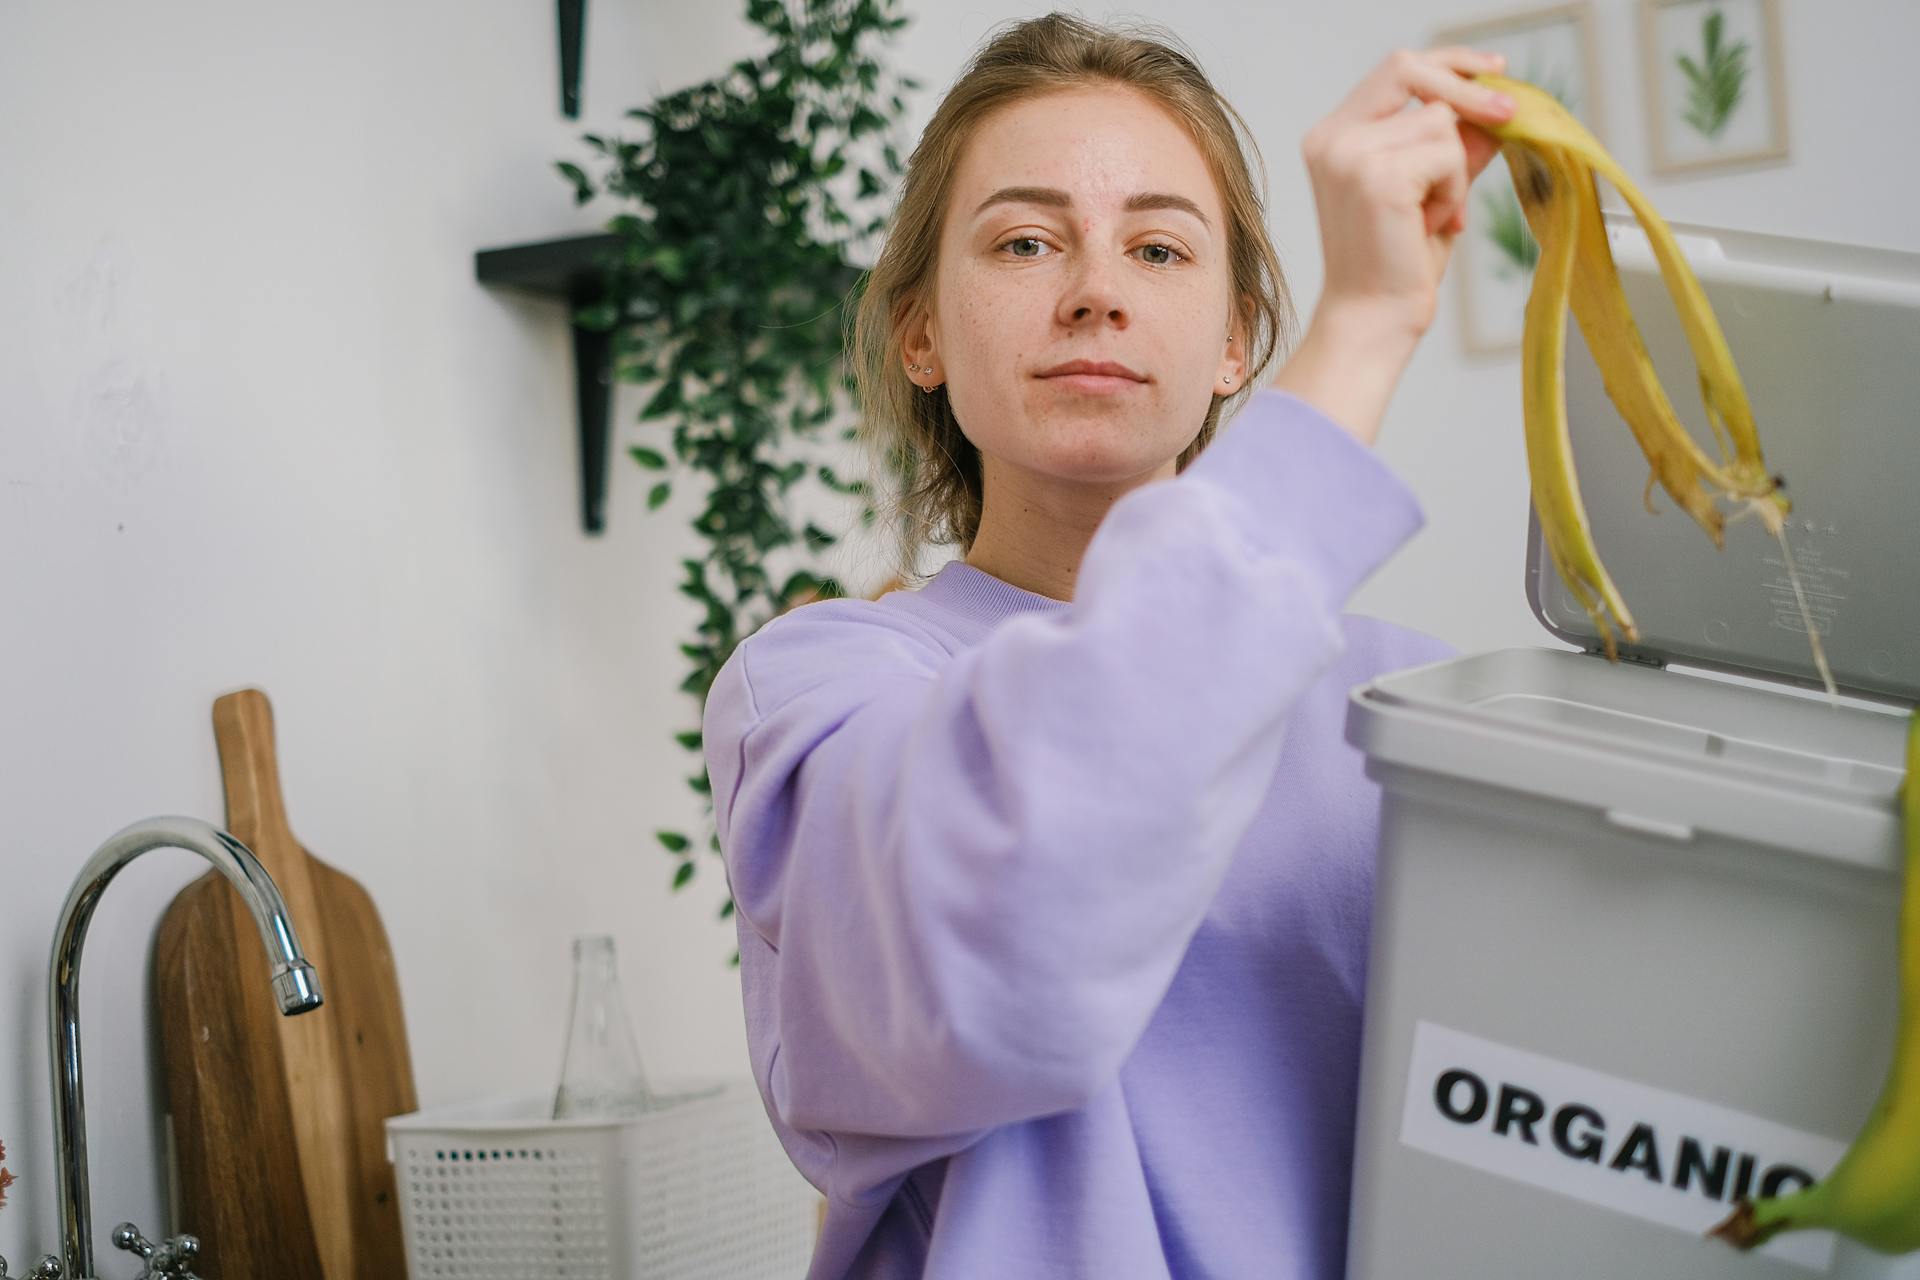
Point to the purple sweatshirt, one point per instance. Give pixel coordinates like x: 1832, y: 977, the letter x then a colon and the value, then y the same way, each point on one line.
x: 1054, y: 917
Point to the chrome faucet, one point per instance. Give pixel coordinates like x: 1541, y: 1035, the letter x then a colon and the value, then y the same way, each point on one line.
x: 295, y: 984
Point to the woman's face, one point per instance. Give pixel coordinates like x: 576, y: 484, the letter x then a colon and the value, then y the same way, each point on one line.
x: 1083, y: 224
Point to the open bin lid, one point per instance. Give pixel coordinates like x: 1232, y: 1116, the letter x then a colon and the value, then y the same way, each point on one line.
x: 1827, y: 341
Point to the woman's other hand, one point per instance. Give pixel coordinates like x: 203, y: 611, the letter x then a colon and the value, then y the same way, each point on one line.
x: 1390, y: 183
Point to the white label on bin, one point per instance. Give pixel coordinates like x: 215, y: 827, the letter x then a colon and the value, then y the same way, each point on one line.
x: 1625, y: 1146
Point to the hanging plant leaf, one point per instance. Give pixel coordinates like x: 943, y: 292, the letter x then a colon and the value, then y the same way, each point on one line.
x: 735, y: 263
x: 582, y: 185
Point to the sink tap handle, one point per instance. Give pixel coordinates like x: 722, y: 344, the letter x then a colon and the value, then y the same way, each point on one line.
x: 127, y: 1238
x: 175, y: 1258
x: 171, y: 1258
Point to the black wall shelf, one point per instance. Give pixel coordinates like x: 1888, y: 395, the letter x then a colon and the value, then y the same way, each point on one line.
x: 573, y: 35
x: 569, y: 270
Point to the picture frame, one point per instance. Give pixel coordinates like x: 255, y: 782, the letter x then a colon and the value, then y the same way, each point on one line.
x: 1553, y: 47
x: 1715, y: 80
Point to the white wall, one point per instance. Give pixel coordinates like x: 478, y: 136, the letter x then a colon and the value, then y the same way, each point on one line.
x: 259, y: 426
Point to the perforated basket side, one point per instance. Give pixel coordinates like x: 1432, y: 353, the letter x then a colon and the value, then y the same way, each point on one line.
x: 507, y: 1206
x: 697, y: 1190
x: 713, y: 1194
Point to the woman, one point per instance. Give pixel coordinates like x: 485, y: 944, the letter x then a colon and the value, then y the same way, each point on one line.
x: 1053, y: 876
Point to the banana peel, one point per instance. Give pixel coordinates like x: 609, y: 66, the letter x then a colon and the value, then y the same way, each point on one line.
x: 1553, y: 160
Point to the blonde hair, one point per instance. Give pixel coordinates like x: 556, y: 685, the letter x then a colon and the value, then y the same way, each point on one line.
x: 926, y: 473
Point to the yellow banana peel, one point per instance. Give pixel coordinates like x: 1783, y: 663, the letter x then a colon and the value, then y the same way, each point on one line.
x: 1553, y: 160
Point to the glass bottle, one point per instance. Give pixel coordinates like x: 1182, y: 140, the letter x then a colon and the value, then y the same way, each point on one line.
x: 600, y: 1078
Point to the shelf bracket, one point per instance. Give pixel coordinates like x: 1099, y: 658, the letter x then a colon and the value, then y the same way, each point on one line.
x: 570, y: 270
x: 573, y: 31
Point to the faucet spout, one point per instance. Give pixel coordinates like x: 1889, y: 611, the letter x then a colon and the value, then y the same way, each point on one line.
x: 295, y: 984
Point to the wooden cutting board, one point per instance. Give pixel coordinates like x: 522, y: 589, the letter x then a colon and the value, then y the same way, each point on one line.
x: 278, y: 1122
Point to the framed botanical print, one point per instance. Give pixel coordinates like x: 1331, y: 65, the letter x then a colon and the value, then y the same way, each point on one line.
x: 1715, y: 83
x: 1554, y: 49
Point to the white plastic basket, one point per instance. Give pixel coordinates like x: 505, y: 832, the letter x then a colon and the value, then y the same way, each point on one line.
x: 698, y: 1188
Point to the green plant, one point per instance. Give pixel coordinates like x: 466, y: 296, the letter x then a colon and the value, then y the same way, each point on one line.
x: 1507, y: 230
x: 747, y: 201
x: 1714, y: 83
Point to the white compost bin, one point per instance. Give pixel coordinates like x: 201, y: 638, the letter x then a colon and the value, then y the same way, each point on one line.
x: 1634, y: 941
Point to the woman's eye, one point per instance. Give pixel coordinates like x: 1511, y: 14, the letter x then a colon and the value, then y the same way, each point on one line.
x: 1163, y: 255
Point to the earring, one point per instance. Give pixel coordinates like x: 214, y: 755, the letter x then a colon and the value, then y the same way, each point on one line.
x: 1226, y: 380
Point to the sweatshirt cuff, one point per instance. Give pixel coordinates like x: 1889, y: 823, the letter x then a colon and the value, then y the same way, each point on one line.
x: 1299, y: 482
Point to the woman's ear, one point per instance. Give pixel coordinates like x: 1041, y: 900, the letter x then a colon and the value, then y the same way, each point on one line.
x: 917, y: 341
x: 1235, y: 359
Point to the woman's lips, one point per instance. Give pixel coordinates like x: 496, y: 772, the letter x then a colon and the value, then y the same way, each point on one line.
x: 1093, y: 383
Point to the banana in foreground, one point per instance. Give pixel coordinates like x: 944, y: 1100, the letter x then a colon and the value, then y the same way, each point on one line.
x: 1553, y: 160
x: 1873, y: 1194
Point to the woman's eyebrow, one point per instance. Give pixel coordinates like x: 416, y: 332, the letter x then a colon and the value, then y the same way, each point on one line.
x: 1058, y: 199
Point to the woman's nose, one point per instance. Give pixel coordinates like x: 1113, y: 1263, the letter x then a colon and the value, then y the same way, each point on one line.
x: 1093, y: 293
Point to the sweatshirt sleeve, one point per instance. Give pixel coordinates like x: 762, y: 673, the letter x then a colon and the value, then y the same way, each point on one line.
x: 974, y: 876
